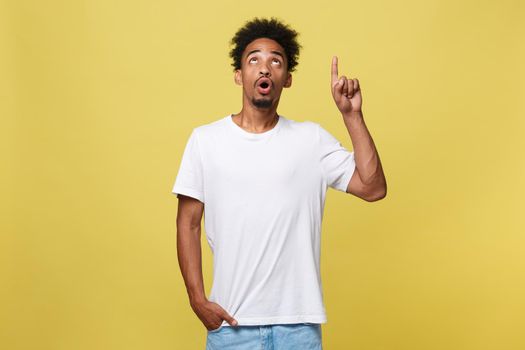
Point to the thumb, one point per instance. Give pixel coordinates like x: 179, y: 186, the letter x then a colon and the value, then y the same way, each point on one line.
x: 338, y: 89
x: 230, y: 319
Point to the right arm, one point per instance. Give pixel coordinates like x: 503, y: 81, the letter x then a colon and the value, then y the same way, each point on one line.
x: 189, y: 216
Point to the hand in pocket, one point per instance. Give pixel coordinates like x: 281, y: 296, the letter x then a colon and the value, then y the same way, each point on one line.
x: 212, y: 315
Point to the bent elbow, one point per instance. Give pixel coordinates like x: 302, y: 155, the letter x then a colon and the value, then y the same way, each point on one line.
x: 376, y: 195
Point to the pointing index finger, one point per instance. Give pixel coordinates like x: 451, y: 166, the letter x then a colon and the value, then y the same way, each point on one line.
x: 335, y: 72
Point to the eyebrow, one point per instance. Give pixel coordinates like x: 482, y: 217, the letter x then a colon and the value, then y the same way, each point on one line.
x: 274, y: 52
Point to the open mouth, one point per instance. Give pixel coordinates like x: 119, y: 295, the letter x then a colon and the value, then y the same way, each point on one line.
x: 264, y: 86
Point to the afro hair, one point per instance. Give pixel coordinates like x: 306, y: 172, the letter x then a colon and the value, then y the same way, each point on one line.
x: 266, y: 28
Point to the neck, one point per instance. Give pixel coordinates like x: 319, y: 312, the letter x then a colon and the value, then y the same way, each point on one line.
x: 256, y: 120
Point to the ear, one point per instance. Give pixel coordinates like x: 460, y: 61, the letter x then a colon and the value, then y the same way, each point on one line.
x: 238, y: 77
x: 288, y: 81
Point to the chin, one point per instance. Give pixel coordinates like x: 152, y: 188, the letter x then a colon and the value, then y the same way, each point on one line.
x: 262, y: 103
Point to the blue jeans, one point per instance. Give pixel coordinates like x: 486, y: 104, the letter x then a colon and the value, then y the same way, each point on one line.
x: 296, y: 336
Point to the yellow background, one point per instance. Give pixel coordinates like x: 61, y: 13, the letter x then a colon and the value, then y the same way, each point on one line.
x: 99, y: 97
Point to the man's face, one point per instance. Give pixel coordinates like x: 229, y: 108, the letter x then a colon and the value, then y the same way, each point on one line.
x: 263, y: 73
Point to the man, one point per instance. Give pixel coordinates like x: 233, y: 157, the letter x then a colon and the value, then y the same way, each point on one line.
x: 261, y: 179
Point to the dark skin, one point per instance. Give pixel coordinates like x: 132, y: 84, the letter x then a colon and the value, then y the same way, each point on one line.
x: 261, y: 58
x: 189, y: 215
x: 264, y: 60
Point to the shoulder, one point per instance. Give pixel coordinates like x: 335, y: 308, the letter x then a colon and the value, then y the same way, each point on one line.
x: 307, y: 127
x: 306, y: 124
x: 212, y: 128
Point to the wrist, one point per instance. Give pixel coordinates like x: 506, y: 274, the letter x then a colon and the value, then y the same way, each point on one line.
x: 197, y: 299
x: 353, y: 114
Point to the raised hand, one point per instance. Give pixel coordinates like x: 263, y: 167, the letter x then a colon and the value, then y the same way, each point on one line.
x: 346, y: 92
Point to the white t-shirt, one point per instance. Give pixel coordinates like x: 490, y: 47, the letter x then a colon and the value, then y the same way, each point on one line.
x: 264, y: 196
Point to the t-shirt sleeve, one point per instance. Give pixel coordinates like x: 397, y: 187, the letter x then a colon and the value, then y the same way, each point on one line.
x: 189, y: 180
x: 337, y: 163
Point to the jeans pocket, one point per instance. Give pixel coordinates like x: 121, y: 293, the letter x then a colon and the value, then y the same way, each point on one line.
x: 215, y: 330
x: 313, y: 325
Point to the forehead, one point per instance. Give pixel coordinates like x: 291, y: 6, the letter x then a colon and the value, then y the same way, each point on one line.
x: 264, y: 44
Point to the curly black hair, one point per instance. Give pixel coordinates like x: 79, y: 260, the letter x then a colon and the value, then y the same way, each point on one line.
x: 266, y: 28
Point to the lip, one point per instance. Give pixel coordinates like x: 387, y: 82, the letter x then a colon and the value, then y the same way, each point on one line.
x: 264, y: 91
x: 264, y: 80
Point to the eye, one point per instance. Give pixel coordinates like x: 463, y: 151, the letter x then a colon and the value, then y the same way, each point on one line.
x: 275, y: 60
x: 252, y: 59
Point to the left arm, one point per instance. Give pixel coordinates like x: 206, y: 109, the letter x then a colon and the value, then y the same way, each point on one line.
x: 368, y: 181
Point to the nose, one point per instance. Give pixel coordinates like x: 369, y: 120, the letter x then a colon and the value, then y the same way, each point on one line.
x: 264, y: 71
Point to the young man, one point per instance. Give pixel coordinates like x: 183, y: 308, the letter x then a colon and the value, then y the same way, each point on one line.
x: 261, y: 180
